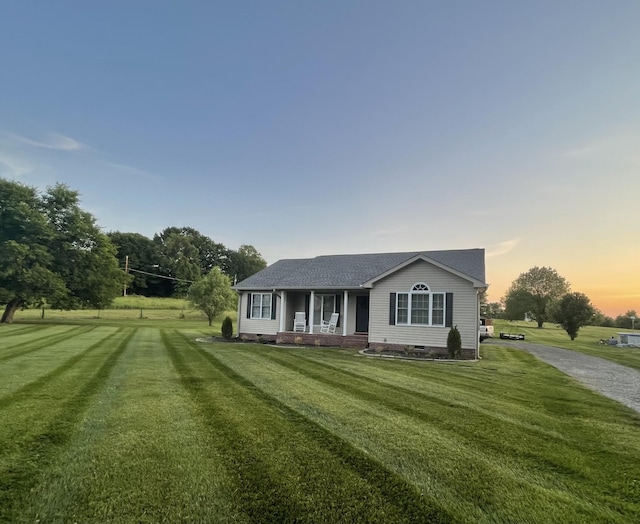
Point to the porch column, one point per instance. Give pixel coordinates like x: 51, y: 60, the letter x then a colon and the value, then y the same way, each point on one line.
x: 345, y: 309
x: 238, y: 328
x: 283, y: 295
x: 311, y: 308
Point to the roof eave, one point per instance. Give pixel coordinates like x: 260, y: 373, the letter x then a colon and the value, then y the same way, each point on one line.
x: 296, y: 288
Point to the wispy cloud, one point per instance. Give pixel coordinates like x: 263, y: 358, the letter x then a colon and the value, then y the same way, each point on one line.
x: 611, y: 148
x: 13, y: 166
x: 502, y: 248
x: 581, y: 152
x: 53, y: 141
x: 132, y: 171
x: 21, y: 155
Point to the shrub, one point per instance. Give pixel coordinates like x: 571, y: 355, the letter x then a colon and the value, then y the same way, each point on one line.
x: 454, y: 342
x: 227, y: 328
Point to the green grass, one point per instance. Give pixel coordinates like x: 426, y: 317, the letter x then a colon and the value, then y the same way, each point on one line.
x: 587, y: 341
x: 130, y: 422
x: 129, y: 311
x: 138, y: 302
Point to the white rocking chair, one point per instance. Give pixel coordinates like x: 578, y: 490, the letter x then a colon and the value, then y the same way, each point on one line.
x: 299, y: 321
x: 330, y: 326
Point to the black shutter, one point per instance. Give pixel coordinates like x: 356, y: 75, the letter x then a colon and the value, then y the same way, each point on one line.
x: 448, y: 316
x: 306, y: 308
x: 392, y: 309
x: 338, y: 299
x: 274, y: 302
x: 249, y: 295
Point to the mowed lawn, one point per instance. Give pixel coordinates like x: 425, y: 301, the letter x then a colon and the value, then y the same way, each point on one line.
x: 588, y: 340
x: 141, y: 423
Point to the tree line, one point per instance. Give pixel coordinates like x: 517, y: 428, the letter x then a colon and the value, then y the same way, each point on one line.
x: 167, y: 264
x: 53, y: 253
x: 542, y: 295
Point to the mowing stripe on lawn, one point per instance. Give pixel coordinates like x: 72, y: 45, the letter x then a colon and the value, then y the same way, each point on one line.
x: 16, y: 330
x: 46, y: 342
x: 284, y: 475
x: 385, y: 402
x: 11, y: 340
x: 31, y: 387
x: 36, y: 452
x: 260, y: 495
x: 425, y: 407
x: 410, y: 402
x: 555, y: 465
x: 409, y: 503
x: 141, y: 453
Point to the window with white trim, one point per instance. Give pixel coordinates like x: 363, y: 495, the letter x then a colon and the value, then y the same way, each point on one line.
x: 420, y: 307
x: 261, y: 305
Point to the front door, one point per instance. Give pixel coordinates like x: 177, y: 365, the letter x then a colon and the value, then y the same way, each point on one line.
x: 362, y: 314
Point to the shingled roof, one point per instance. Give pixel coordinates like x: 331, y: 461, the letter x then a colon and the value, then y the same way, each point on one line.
x: 352, y: 271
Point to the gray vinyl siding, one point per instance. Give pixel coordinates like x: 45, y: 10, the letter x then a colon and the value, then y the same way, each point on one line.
x: 465, y: 307
x: 258, y: 326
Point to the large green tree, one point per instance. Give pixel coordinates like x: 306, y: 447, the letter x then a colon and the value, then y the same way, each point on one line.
x: 51, y: 250
x: 532, y: 293
x: 140, y: 255
x: 179, y: 258
x: 245, y: 262
x: 492, y: 309
x: 573, y: 311
x: 212, y: 294
x: 625, y: 322
x: 600, y: 319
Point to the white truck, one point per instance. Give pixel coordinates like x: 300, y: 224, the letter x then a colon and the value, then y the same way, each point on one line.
x: 486, y: 328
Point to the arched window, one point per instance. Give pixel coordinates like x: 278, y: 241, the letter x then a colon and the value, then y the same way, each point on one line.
x: 420, y: 306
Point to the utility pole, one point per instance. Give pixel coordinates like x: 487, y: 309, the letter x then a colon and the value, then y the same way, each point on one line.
x: 126, y: 270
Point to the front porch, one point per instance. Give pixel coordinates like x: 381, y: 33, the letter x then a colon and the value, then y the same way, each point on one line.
x: 318, y: 306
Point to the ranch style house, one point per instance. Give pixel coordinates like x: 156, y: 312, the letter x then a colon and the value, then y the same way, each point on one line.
x: 377, y: 301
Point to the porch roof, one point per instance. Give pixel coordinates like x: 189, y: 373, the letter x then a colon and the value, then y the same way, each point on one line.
x: 354, y: 271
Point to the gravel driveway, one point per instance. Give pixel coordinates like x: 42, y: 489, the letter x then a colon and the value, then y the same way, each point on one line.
x: 612, y: 380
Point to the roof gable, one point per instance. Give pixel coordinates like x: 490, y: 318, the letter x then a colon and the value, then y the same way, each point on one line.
x: 356, y: 271
x: 422, y: 256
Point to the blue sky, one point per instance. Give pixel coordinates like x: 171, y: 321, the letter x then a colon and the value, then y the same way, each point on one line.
x: 307, y: 128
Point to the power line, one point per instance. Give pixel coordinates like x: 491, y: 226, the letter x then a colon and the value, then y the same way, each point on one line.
x: 161, y: 276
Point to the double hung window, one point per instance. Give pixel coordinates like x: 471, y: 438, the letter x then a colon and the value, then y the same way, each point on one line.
x: 420, y: 307
x: 260, y: 305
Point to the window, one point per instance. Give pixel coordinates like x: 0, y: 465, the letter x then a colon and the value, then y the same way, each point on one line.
x: 261, y: 305
x: 420, y: 307
x: 403, y: 308
x: 437, y: 309
x: 323, y: 306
